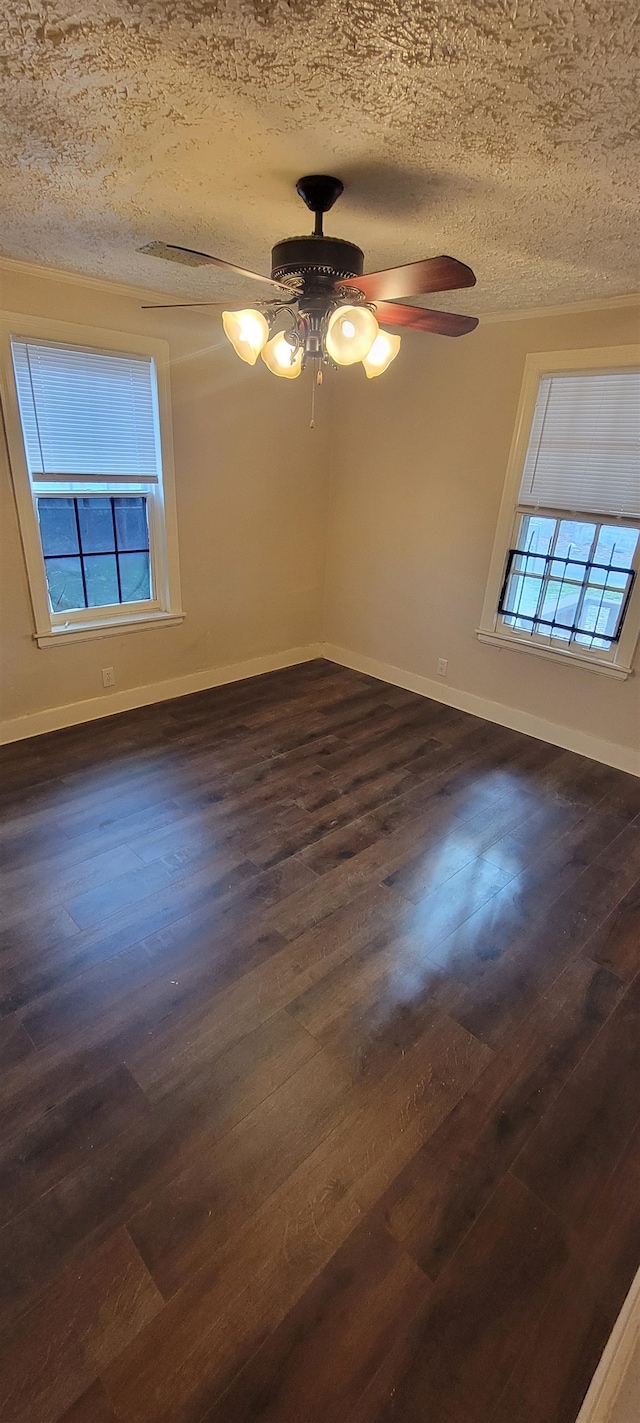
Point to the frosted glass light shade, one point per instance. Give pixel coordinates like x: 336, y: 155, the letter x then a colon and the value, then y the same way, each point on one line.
x: 247, y: 331
x: 351, y: 333
x: 384, y: 350
x: 281, y: 358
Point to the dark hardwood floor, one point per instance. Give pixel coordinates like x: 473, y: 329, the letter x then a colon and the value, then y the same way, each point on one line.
x: 320, y: 1049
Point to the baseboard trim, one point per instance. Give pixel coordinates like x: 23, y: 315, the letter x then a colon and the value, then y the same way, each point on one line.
x: 623, y: 758
x: 55, y: 718
x: 610, y: 1374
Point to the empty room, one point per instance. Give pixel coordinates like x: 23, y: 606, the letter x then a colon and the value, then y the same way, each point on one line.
x: 320, y: 718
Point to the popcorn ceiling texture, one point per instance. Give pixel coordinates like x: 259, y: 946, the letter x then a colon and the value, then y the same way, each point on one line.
x: 503, y: 131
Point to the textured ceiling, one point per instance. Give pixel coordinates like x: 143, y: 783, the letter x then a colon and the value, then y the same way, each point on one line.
x: 504, y: 132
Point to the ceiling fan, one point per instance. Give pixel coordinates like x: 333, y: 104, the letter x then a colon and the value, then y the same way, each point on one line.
x: 331, y: 311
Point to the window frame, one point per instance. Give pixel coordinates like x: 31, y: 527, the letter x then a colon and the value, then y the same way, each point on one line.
x: 617, y: 660
x: 165, y: 608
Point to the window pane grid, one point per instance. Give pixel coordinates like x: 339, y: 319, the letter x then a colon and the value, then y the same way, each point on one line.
x: 553, y: 591
x: 96, y: 550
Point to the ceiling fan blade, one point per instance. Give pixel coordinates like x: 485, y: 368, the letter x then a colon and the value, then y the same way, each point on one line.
x: 181, y: 305
x: 434, y: 274
x: 188, y: 258
x: 443, y: 323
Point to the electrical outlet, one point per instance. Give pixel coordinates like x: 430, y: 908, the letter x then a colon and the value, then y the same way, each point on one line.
x: 442, y: 666
x: 108, y: 677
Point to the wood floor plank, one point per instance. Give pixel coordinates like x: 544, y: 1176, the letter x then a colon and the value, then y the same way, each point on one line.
x: 386, y: 861
x: 339, y: 845
x: 95, y: 904
x: 616, y: 944
x: 341, y: 809
x: 437, y: 1198
x: 490, y: 834
x: 456, y: 898
x: 92, y: 1407
x: 55, y: 1351
x: 466, y: 1344
x: 275, y: 980
x: 36, y: 929
x: 111, y: 983
x: 317, y: 1361
x: 192, y: 1108
x: 49, y: 843
x: 65, y: 881
x: 40, y: 1155
x: 209, y: 1200
x: 327, y: 997
x: 586, y: 1299
x: 576, y: 1147
x: 15, y: 1043
x: 378, y: 1400
x: 30, y: 1087
x: 150, y: 932
x: 459, y: 791
x: 386, y: 989
x: 529, y: 949
x: 183, y: 1361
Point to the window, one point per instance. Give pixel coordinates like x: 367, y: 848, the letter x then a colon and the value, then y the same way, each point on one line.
x: 96, y: 551
x: 565, y: 563
x: 569, y: 580
x: 88, y: 424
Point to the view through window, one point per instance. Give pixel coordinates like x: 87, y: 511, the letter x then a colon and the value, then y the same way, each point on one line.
x: 570, y: 579
x: 96, y: 550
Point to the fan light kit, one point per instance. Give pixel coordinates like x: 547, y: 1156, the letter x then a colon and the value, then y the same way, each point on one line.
x: 324, y: 311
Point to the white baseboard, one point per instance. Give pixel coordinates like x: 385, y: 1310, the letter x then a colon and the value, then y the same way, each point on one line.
x: 609, y: 1378
x: 108, y: 705
x: 624, y: 758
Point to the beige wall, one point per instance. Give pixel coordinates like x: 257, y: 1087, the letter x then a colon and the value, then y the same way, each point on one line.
x: 251, y: 515
x: 415, y: 495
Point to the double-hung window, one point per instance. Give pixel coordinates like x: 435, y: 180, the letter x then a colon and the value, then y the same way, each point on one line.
x: 565, y: 566
x: 88, y: 424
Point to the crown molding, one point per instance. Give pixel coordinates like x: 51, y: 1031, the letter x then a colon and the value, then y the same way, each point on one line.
x: 59, y: 274
x: 571, y: 308
x: 80, y: 279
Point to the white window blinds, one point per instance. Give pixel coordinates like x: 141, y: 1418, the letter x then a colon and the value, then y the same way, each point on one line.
x: 86, y: 415
x: 584, y: 448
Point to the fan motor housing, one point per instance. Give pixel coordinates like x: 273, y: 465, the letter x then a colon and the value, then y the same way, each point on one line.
x: 316, y: 259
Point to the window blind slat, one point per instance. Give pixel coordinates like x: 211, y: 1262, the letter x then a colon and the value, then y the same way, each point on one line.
x: 584, y: 447
x: 87, y: 415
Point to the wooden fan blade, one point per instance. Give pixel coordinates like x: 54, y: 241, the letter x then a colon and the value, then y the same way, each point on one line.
x: 443, y: 323
x: 180, y: 305
x: 434, y: 274
x: 188, y: 258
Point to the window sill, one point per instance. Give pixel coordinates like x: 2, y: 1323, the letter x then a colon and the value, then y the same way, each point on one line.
x: 110, y: 627
x: 570, y: 659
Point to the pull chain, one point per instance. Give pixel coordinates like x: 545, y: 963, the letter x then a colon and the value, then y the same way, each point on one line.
x: 317, y: 380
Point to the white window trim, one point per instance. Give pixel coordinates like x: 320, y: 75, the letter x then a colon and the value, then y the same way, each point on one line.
x: 538, y: 364
x: 165, y: 610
